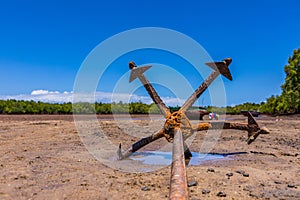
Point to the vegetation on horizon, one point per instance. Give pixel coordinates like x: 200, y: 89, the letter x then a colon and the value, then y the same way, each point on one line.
x: 31, y: 107
x: 13, y: 106
x: 287, y: 102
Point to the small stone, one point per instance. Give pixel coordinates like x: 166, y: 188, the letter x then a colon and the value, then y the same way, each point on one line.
x: 245, y: 174
x: 205, y: 191
x: 192, y: 183
x: 253, y: 195
x: 291, y: 186
x: 211, y: 170
x: 229, y: 174
x: 221, y: 194
x: 84, y: 184
x: 240, y: 171
x: 145, y: 188
x: 277, y: 182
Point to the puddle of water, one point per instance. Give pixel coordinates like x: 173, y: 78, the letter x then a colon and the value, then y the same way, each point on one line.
x: 165, y: 158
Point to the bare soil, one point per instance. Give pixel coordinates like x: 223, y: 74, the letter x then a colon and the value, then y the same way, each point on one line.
x: 43, y: 157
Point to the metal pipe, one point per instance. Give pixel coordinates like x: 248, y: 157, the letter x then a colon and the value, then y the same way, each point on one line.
x: 178, y: 183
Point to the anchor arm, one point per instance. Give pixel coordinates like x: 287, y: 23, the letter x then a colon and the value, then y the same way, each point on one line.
x: 139, y: 144
x: 219, y: 68
x: 251, y: 127
x: 138, y: 72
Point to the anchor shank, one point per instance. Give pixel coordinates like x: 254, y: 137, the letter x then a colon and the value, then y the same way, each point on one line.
x: 178, y: 184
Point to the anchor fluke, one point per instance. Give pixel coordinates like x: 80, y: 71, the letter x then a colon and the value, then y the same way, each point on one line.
x: 222, y: 67
x: 254, y: 130
x: 136, y: 72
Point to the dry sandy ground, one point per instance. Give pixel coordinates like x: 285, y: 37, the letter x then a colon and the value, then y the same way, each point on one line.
x: 42, y: 157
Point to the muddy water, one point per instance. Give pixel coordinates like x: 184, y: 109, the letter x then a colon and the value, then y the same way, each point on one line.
x: 165, y: 158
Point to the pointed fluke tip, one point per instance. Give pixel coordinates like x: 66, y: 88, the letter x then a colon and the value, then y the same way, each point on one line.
x: 131, y: 65
x: 119, y: 152
x: 254, y: 135
x: 227, y: 61
x: 222, y: 67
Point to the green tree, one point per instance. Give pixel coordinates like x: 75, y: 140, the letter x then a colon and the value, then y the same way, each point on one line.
x: 153, y: 109
x: 289, y: 100
x: 270, y: 106
x: 291, y: 87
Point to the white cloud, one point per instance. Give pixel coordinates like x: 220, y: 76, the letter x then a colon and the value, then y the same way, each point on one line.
x: 104, y: 97
x: 42, y: 95
x: 43, y: 92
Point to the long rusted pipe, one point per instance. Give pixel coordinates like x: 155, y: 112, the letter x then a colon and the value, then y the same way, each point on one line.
x: 178, y: 183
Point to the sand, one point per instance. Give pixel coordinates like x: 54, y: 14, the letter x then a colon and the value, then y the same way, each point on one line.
x: 43, y: 157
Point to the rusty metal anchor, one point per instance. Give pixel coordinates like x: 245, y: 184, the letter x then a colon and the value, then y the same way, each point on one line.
x: 178, y: 128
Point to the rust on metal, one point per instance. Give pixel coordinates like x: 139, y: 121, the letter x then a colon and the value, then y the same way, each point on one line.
x: 139, y: 144
x: 138, y: 72
x: 219, y: 68
x: 251, y: 127
x: 178, y: 128
x: 178, y: 182
x: 176, y: 119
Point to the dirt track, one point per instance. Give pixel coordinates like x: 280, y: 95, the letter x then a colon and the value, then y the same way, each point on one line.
x: 42, y: 157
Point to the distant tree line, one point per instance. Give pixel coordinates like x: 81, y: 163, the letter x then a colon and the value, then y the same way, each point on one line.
x: 287, y: 102
x: 234, y: 109
x: 31, y: 107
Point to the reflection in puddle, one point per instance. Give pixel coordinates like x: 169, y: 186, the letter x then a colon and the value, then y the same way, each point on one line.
x: 165, y: 158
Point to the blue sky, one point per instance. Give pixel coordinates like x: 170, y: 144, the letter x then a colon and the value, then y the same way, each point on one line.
x: 43, y: 43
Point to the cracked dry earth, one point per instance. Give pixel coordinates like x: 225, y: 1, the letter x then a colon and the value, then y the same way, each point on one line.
x: 43, y: 157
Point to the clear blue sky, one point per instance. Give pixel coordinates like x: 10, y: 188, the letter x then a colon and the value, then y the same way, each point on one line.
x: 43, y: 43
